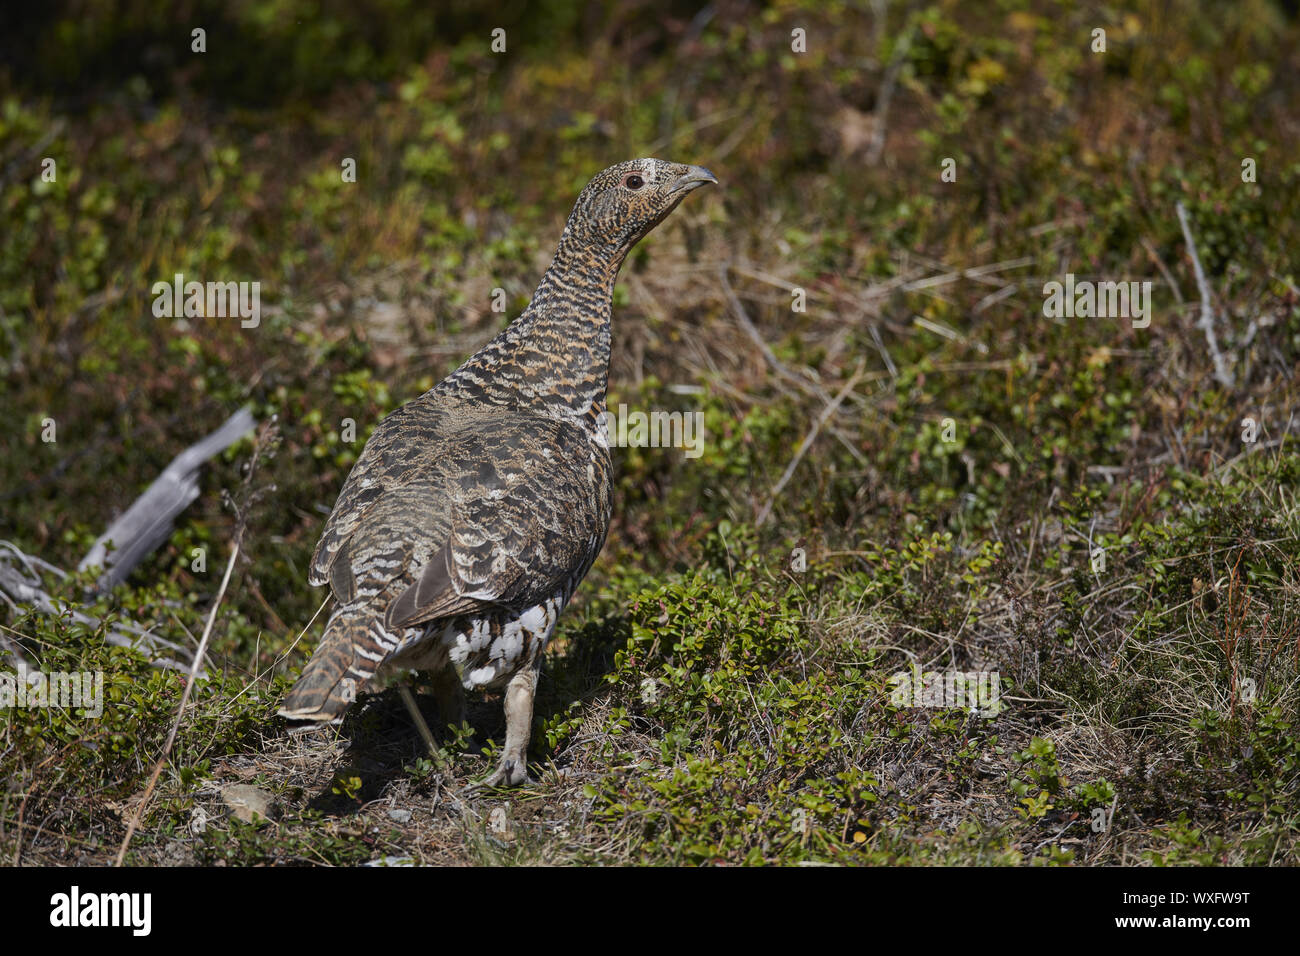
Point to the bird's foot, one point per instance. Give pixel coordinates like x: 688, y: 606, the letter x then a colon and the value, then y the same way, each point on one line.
x: 513, y: 768
x: 512, y: 771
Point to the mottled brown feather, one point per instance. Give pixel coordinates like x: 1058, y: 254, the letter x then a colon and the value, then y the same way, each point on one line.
x: 474, y: 511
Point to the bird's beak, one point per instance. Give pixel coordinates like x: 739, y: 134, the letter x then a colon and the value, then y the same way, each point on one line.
x: 693, y: 178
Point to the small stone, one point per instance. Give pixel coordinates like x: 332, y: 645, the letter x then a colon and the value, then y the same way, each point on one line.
x: 248, y: 803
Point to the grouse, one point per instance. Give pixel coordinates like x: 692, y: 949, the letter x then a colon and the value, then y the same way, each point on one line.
x: 473, y: 511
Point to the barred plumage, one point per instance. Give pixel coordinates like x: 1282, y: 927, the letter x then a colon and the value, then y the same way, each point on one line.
x: 474, y: 511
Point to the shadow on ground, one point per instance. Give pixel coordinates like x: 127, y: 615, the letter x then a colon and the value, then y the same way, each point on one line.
x: 384, y: 743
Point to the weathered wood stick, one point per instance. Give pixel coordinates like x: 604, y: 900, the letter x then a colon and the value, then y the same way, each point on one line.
x: 148, y: 522
x: 133, y: 537
x: 21, y: 585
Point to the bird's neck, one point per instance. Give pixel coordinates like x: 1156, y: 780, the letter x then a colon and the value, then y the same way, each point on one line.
x: 554, y: 358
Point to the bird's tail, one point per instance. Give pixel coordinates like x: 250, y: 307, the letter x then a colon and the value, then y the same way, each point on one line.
x: 355, y: 643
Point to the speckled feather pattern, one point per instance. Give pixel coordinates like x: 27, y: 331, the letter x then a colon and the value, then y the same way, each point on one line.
x: 474, y: 511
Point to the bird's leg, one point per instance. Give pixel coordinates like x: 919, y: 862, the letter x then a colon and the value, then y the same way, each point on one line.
x: 451, y: 696
x: 513, y: 768
x: 417, y: 718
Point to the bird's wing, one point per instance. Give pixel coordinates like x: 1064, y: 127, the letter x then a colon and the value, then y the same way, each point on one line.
x: 493, y: 510
x: 391, y: 459
x: 530, y: 514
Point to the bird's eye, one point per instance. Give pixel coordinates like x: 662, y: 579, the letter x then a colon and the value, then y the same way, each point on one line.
x: 634, y: 182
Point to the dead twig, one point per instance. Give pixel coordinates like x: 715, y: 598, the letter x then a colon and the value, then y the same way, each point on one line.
x: 827, y: 412
x: 1221, y: 370
x: 185, y: 699
x: 877, y: 146
x: 265, y: 437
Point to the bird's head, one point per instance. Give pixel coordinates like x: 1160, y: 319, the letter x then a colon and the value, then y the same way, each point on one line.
x: 624, y: 202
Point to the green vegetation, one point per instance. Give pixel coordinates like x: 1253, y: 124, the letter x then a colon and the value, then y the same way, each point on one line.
x: 1067, y: 501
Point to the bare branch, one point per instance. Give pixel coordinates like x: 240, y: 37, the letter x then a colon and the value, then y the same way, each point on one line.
x: 1222, y: 371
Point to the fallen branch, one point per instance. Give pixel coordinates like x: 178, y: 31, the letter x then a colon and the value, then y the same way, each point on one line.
x: 148, y: 522
x: 20, y: 584
x: 145, y: 525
